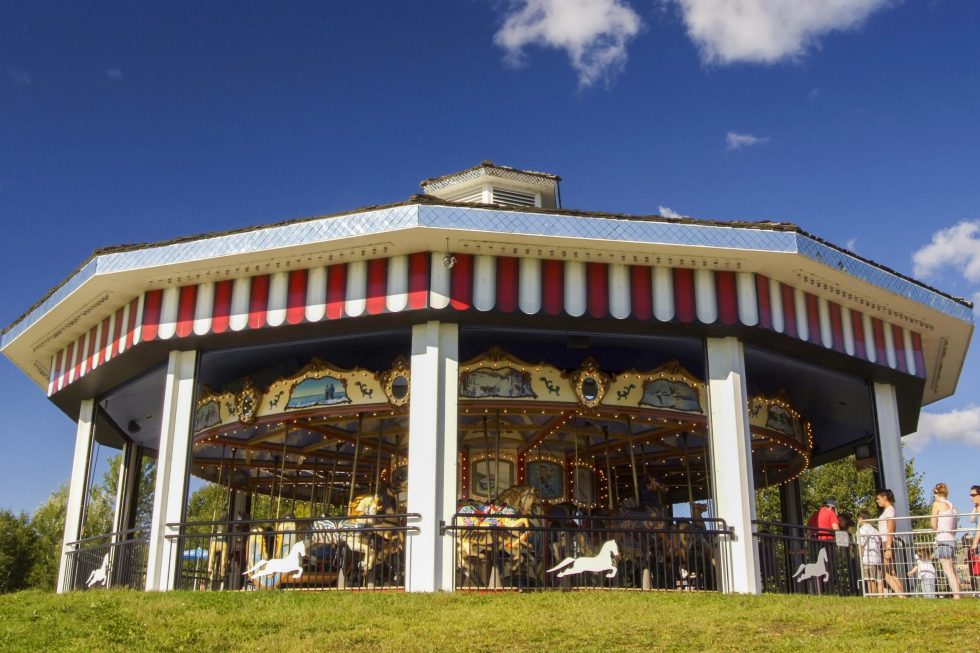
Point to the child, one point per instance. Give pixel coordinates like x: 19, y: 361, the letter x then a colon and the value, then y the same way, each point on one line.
x: 870, y: 543
x: 925, y: 570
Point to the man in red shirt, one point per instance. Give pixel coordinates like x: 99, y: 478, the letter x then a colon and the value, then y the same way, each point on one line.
x: 825, y: 521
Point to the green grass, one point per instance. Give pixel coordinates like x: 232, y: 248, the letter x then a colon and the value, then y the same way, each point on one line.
x: 334, y: 621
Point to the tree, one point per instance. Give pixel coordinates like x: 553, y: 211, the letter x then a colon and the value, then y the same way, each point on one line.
x: 853, y: 489
x: 144, y: 496
x: 48, y: 521
x: 17, y: 551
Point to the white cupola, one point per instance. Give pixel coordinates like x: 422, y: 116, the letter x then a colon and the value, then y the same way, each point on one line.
x: 488, y: 183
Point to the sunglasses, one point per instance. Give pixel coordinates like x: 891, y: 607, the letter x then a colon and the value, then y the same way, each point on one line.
x: 973, y: 494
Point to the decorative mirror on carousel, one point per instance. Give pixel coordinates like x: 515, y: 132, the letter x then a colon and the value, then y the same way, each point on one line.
x: 396, y: 382
x: 247, y: 402
x: 590, y: 383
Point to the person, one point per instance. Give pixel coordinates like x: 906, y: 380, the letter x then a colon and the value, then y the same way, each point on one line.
x: 886, y: 530
x: 943, y: 521
x: 975, y: 517
x: 973, y: 551
x: 925, y: 571
x: 824, y: 521
x: 870, y: 546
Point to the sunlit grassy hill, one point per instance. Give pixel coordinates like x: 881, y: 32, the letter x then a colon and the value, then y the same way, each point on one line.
x: 586, y: 621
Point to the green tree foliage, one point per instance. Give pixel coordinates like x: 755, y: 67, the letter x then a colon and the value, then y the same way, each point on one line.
x: 48, y: 521
x: 147, y: 482
x: 210, y: 503
x: 853, y: 489
x: 17, y: 551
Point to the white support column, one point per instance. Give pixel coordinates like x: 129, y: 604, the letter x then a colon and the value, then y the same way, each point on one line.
x: 77, y: 488
x: 890, y: 447
x: 432, y: 426
x: 731, y: 460
x: 168, y: 502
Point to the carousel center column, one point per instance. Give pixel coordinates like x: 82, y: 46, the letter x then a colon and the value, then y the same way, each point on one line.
x: 171, y: 480
x: 731, y: 462
x: 432, y: 428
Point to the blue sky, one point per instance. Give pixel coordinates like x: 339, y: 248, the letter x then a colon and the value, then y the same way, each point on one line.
x: 133, y: 122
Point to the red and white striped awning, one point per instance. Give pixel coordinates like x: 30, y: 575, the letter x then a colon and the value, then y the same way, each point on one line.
x: 488, y: 283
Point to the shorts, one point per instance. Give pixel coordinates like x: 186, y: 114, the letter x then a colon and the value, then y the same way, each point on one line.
x: 872, y: 572
x: 945, y: 550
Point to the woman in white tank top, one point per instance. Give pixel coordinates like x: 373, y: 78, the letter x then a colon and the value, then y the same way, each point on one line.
x: 944, y: 523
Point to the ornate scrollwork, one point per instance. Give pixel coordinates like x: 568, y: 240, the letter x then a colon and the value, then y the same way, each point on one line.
x: 396, y: 382
x: 247, y: 402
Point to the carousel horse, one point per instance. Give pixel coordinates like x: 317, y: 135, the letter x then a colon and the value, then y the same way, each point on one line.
x: 508, y: 514
x: 664, y: 545
x: 99, y: 575
x: 257, y: 550
x: 605, y: 560
x: 567, y: 539
x: 813, y: 569
x: 217, y: 561
x: 291, y: 562
x: 356, y: 534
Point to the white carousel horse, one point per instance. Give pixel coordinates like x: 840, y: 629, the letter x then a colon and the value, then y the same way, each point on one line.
x: 813, y: 569
x: 292, y: 562
x: 99, y: 575
x: 602, y: 561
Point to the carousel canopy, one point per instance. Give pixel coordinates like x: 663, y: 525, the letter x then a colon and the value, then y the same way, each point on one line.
x: 502, y: 251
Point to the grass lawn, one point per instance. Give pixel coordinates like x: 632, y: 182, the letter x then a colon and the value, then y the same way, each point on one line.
x: 586, y: 621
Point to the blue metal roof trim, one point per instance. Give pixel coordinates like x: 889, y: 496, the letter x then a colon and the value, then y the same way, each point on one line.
x: 71, y: 285
x: 602, y: 228
x: 816, y: 251
x: 268, y: 238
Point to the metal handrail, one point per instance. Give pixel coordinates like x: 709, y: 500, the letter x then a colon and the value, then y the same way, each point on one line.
x: 109, y: 535
x: 721, y: 529
x: 309, y: 521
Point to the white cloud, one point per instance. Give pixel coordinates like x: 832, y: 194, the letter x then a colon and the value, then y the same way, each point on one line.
x: 736, y: 141
x: 594, y: 33
x: 767, y: 31
x: 851, y: 244
x: 961, y: 426
x: 114, y: 74
x: 20, y: 76
x: 668, y: 212
x: 957, y: 247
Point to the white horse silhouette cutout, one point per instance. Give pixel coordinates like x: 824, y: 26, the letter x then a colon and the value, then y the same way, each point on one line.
x: 814, y: 569
x: 99, y: 575
x: 602, y: 561
x: 279, y: 565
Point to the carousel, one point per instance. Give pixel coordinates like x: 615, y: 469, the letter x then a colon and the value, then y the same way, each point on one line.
x: 537, y: 445
x: 474, y: 389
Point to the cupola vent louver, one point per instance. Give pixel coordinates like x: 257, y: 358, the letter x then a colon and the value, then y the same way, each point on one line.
x: 489, y: 183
